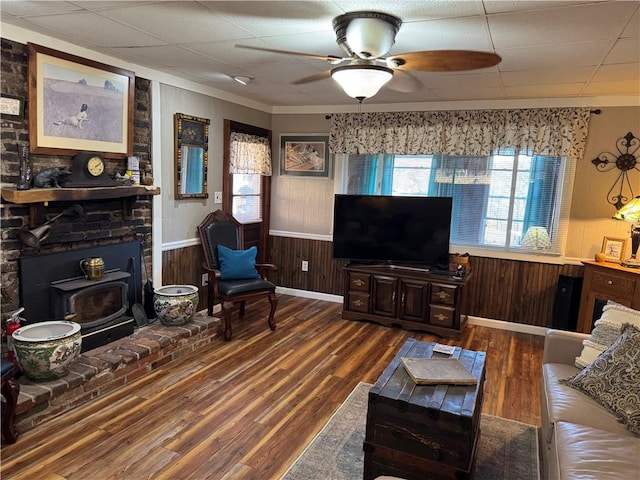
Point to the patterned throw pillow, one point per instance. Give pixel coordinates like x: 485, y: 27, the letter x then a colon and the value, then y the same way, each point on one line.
x: 606, y: 331
x: 613, y: 379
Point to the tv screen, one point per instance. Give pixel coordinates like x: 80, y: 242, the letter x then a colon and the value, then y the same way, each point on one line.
x: 394, y: 230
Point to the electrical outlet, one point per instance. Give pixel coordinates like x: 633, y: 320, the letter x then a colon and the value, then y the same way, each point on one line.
x: 305, y: 266
x: 217, y: 197
x: 205, y: 277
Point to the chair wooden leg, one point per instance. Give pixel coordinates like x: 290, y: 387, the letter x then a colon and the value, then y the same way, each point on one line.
x: 273, y: 300
x: 10, y: 391
x: 227, y: 310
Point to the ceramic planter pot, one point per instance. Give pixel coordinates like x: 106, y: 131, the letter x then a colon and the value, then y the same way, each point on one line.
x: 175, y: 304
x: 44, y: 350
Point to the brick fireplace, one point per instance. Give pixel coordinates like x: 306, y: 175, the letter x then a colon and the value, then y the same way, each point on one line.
x: 108, y: 219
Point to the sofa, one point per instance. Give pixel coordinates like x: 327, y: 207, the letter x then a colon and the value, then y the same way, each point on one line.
x: 580, y: 438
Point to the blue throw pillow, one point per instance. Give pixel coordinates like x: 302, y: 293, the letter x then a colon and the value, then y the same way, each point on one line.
x: 237, y: 264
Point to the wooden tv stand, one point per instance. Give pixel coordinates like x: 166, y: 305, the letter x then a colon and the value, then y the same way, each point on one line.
x: 407, y: 297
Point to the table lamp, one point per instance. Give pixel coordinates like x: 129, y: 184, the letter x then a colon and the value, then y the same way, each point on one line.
x: 630, y: 212
x: 536, y: 238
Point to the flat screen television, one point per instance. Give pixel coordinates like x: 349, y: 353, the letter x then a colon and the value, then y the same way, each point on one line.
x: 392, y: 229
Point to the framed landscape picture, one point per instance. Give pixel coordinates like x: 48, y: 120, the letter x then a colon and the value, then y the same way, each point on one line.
x: 76, y: 104
x: 304, y: 155
x: 613, y: 249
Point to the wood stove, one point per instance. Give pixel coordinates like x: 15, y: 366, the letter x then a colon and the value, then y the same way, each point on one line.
x: 53, y: 287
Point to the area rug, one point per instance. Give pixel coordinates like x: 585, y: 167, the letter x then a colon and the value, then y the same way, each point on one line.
x: 508, y: 450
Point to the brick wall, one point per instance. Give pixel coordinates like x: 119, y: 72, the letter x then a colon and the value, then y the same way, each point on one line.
x: 104, y: 222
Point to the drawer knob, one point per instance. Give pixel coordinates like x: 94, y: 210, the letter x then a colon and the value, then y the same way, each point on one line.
x: 440, y: 317
x: 358, y: 283
x: 609, y: 282
x: 358, y: 303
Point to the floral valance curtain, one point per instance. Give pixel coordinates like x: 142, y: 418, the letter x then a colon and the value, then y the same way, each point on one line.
x: 249, y: 154
x: 545, y: 131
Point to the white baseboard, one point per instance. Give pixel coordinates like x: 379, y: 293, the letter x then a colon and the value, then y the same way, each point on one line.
x: 485, y: 322
x: 511, y: 326
x: 309, y: 294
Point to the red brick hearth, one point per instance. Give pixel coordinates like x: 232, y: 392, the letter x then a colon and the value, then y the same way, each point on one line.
x: 99, y: 371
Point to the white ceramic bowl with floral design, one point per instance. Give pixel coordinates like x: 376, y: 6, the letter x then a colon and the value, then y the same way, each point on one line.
x: 44, y: 350
x: 175, y: 304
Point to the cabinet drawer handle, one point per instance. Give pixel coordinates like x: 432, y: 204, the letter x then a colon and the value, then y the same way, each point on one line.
x: 358, y: 283
x: 440, y: 316
x: 442, y: 295
x: 358, y: 303
x: 609, y: 282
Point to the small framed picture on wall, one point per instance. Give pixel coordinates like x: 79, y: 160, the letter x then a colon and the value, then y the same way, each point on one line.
x: 613, y: 248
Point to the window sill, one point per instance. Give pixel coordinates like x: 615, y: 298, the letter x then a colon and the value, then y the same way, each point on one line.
x: 523, y: 256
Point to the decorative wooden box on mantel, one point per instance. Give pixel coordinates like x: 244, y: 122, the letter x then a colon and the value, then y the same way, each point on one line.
x: 37, y: 198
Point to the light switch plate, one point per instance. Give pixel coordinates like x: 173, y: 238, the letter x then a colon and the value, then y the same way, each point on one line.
x: 217, y: 197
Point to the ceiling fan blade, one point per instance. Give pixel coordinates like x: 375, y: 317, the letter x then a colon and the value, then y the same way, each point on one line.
x: 326, y: 58
x: 444, y: 60
x: 404, y: 82
x: 313, y: 78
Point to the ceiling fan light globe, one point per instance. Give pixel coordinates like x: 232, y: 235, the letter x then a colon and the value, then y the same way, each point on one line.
x: 370, y: 37
x: 361, y: 81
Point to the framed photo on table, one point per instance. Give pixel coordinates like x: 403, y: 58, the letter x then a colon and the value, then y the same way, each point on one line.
x: 613, y: 249
x: 76, y: 104
x: 304, y: 155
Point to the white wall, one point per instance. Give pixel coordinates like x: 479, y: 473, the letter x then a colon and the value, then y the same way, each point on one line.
x: 181, y: 217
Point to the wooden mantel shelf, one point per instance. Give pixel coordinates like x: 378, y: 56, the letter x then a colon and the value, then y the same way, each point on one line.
x: 44, y: 195
x: 37, y: 198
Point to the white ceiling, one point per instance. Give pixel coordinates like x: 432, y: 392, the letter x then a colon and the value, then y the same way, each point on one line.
x: 549, y: 49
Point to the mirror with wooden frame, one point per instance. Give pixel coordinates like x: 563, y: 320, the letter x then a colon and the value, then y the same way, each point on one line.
x: 191, y: 156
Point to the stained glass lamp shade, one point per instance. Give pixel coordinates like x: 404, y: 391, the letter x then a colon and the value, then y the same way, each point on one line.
x: 536, y: 238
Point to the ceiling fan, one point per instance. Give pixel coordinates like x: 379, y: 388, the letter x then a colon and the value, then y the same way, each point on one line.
x: 366, y: 37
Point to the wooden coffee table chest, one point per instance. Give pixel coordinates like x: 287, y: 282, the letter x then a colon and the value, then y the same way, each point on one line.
x: 423, y: 432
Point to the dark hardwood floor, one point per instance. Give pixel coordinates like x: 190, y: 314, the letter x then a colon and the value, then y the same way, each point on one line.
x: 245, y: 409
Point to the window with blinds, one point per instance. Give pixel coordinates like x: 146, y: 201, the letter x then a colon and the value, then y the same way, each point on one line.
x: 508, y: 201
x: 245, y: 200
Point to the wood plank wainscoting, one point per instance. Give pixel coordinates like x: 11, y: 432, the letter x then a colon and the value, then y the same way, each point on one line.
x: 499, y: 289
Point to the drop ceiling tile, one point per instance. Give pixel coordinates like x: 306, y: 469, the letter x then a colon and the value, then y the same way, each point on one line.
x: 621, y: 87
x: 317, y: 43
x: 617, y: 72
x: 559, y: 56
x: 503, y: 6
x: 588, y: 23
x: 454, y: 33
x: 22, y: 8
x: 90, y: 28
x: 633, y: 28
x: 182, y: 22
x: 276, y: 17
x: 547, y: 91
x: 226, y: 52
x: 548, y: 76
x: 416, y: 10
x: 452, y: 80
x: 472, y: 93
x: 624, y: 51
x: 171, y: 56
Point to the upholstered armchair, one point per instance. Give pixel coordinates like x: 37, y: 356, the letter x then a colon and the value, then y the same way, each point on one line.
x: 233, y: 275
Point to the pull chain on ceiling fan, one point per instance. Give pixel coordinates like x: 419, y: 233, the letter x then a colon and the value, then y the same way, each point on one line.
x: 366, y: 37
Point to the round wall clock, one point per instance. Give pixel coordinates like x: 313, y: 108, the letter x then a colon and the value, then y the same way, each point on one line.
x: 88, y: 170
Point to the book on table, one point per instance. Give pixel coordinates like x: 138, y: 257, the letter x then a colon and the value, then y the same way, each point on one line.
x: 433, y: 371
